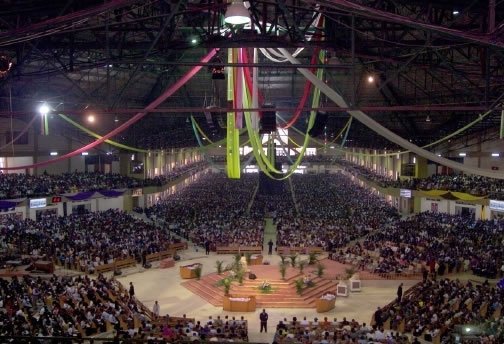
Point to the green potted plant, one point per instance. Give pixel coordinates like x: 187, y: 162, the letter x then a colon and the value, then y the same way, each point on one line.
x: 349, y: 272
x: 283, y: 270
x: 283, y: 259
x: 293, y: 258
x: 301, y: 265
x: 320, y: 270
x: 239, y: 274
x: 226, y: 283
x: 197, y: 271
x: 312, y: 258
x: 299, y: 284
x: 218, y: 266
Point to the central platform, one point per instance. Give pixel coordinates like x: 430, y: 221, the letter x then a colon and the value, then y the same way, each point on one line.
x: 282, y: 295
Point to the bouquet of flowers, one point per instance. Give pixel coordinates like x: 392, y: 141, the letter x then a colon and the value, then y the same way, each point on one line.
x: 265, y: 287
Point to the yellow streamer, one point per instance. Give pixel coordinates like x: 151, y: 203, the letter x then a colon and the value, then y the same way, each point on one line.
x: 95, y: 135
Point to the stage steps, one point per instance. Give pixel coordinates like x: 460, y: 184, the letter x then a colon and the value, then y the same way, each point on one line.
x: 283, y: 294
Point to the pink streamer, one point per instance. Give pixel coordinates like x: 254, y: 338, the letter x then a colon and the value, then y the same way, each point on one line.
x: 170, y: 91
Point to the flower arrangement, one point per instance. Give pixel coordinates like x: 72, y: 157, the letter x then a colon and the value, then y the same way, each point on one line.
x: 265, y: 287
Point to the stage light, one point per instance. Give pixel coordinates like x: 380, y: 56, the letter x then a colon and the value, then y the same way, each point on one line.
x: 53, y: 153
x: 85, y: 153
x: 370, y: 79
x: 455, y: 12
x: 91, y: 118
x: 237, y: 14
x: 220, y: 146
x: 194, y: 41
x: 44, y: 109
x: 439, y: 154
x: 462, y: 154
x: 496, y: 155
x: 116, y: 119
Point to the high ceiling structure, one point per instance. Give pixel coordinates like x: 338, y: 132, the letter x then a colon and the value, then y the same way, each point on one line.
x: 436, y: 64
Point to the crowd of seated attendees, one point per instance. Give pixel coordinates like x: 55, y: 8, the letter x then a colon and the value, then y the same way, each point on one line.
x: 471, y: 184
x: 433, y: 308
x: 77, y: 307
x: 273, y: 199
x: 328, y: 331
x: 443, y: 242
x: 213, y: 209
x: 332, y: 211
x: 88, y: 240
x: 14, y: 185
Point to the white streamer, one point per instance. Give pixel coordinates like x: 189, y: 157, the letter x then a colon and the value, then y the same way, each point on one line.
x: 378, y: 128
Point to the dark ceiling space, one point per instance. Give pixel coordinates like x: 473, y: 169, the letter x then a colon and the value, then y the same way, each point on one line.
x: 436, y: 65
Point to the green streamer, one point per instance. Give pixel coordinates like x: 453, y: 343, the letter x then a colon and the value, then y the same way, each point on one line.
x: 95, y: 135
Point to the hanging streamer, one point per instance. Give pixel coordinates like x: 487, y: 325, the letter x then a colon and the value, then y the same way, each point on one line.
x: 232, y: 133
x: 200, y: 130
x: 95, y: 135
x: 263, y: 161
x: 501, y: 135
x: 171, y: 90
x: 346, y: 133
x: 381, y: 130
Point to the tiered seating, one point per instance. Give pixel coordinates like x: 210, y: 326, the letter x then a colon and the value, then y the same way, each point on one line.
x: 22, y: 185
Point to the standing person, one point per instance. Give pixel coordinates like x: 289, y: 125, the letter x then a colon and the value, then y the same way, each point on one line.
x: 425, y: 273
x: 399, y: 293
x: 378, y: 316
x: 270, y: 247
x: 207, y: 247
x: 155, y: 309
x: 263, y: 317
x: 131, y: 290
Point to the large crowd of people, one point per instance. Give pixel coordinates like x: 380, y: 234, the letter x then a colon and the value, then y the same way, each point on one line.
x: 332, y: 211
x: 327, y: 331
x: 214, y: 210
x: 471, y: 184
x: 76, y: 307
x: 87, y: 240
x: 16, y: 185
x: 440, y: 242
x: 433, y: 308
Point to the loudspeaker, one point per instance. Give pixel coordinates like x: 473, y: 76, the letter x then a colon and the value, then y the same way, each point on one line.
x: 320, y: 123
x: 268, y: 120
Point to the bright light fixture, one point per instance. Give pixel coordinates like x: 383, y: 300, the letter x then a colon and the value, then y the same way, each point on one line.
x: 427, y: 119
x: 91, y: 118
x: 85, y: 153
x: 332, y: 147
x: 237, y: 14
x: 109, y: 153
x: 496, y: 155
x: 53, y: 153
x: 462, y: 154
x: 439, y: 154
x: 370, y: 79
x: 194, y: 41
x: 455, y: 12
x: 44, y: 109
x: 414, y: 160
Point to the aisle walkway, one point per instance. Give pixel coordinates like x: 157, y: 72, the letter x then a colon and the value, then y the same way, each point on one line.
x: 270, y: 233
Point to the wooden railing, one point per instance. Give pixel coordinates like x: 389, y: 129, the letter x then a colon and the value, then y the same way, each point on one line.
x: 282, y: 250
x: 238, y: 249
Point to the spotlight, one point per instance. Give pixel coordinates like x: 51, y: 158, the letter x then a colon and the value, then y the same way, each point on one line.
x: 462, y: 154
x: 496, y: 155
x: 370, y: 79
x: 455, y: 12
x: 44, y: 109
x: 194, y: 41
x: 237, y: 13
x: 91, y: 118
x: 116, y: 119
x: 53, y: 153
x: 85, y: 153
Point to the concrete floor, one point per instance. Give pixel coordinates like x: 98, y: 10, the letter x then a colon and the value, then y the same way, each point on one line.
x: 164, y: 286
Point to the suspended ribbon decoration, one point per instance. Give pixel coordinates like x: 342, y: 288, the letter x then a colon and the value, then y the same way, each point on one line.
x: 232, y: 133
x: 200, y: 130
x: 346, y: 133
x: 263, y: 161
x: 97, y: 136
x: 21, y: 133
x: 170, y: 91
x: 381, y: 130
